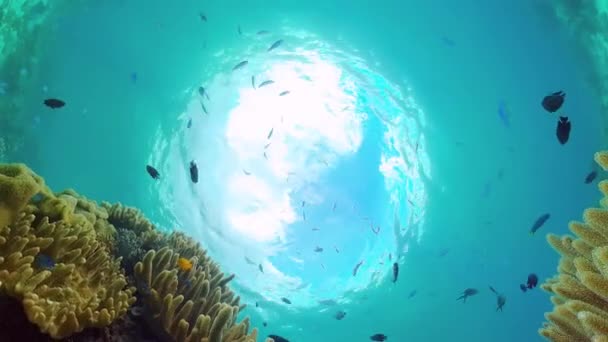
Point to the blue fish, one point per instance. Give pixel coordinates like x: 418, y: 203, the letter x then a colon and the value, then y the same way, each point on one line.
x: 134, y: 77
x: 539, y: 223
x: 503, y: 113
x: 44, y: 261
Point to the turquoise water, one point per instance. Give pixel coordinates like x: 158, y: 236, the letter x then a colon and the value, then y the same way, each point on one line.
x: 392, y: 117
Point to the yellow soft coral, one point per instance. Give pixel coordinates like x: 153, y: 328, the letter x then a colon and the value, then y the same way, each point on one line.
x: 581, y: 288
x: 189, y: 306
x: 17, y: 185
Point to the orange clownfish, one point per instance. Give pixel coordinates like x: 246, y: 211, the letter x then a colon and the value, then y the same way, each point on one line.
x: 184, y: 264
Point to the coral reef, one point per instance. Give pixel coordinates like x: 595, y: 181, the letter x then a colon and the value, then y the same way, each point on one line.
x: 580, y: 289
x: 60, y: 259
x: 189, y: 305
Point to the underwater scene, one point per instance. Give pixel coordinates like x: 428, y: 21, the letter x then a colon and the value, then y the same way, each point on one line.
x: 295, y: 171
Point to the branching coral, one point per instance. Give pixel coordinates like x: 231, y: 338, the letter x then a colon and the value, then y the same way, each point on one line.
x: 51, y: 259
x: 580, y: 290
x: 189, y: 305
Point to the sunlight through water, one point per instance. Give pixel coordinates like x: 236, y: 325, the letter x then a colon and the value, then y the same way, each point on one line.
x: 303, y: 178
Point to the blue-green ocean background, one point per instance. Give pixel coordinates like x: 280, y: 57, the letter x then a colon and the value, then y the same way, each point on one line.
x: 460, y: 60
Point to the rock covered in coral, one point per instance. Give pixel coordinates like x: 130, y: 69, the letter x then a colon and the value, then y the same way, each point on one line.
x: 189, y: 305
x: 580, y: 289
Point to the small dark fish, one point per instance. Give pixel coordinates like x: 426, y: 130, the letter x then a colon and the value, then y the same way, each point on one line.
x: 303, y: 215
x: 275, y: 45
x: 395, y: 272
x: 552, y: 102
x: 340, y: 315
x: 193, y: 172
x: 443, y: 252
x: 253, y: 81
x: 328, y: 302
x: 265, y: 83
x: 267, y: 145
x: 270, y: 133
x: 265, y: 156
x: 563, y: 130
x: 390, y: 257
x: 278, y: 338
x: 357, y: 267
x: 337, y: 250
x: 152, y: 172
x: 532, y: 281
x: 189, y: 123
x: 54, y: 103
x: 539, y: 223
x: 256, y: 304
x: 467, y: 293
x: 240, y: 65
x: 500, y: 302
x: 318, y: 249
x: 247, y: 173
x: 261, y: 268
x: 412, y: 294
x: 285, y: 300
x: 378, y: 337
x: 447, y: 41
x: 203, y: 92
x: 590, y: 177
x: 283, y: 93
x: 303, y: 204
x: 333, y: 209
x: 265, y: 324
x: 202, y: 16
x: 238, y: 29
x: 44, y: 261
x: 523, y: 287
x: 204, y: 108
x: 262, y: 32
x: 249, y: 261
x: 134, y: 77
x: 503, y: 113
x: 315, y: 229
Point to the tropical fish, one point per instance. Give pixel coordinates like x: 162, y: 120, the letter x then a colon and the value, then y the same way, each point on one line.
x: 503, y: 113
x: 152, y: 172
x: 184, y: 264
x: 278, y: 338
x: 134, y: 77
x: 265, y: 324
x: 193, y: 172
x: 530, y: 284
x: 261, y: 268
x: 202, y: 16
x: 357, y: 267
x: 285, y: 300
x: 467, y: 293
x: 328, y: 302
x: 249, y: 261
x: 275, y: 45
x: 240, y: 65
x: 563, y: 130
x: 553, y: 102
x: 337, y: 250
x: 44, y: 261
x: 412, y: 294
x: 247, y: 173
x: 270, y: 133
x: 340, y: 315
x: 204, y: 108
x: 265, y: 83
x: 265, y: 156
x: 283, y: 93
x: 261, y: 32
x: 318, y: 249
x: 190, y: 123
x: 590, y: 177
x: 303, y: 215
x: 253, y: 81
x: 238, y: 29
x: 333, y: 208
x: 539, y: 222
x: 395, y: 272
x: 54, y: 103
x: 378, y: 337
x: 267, y: 145
x: 500, y: 299
x: 303, y: 204
x: 203, y: 92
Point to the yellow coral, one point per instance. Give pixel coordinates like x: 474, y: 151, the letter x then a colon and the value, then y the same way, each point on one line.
x: 581, y: 288
x: 17, y: 185
x: 192, y: 306
x: 78, y: 284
